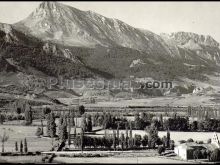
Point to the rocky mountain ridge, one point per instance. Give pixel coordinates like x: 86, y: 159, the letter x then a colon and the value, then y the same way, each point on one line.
x: 59, y: 40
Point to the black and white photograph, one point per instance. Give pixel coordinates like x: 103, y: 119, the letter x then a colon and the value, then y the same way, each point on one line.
x: 110, y: 82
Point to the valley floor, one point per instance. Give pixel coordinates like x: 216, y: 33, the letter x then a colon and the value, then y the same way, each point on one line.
x: 185, y: 100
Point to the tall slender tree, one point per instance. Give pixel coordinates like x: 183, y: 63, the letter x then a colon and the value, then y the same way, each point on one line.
x: 25, y: 146
x: 161, y: 121
x: 74, y: 132
x: 21, y: 146
x: 126, y: 137
x: 28, y: 114
x: 153, y: 136
x: 84, y: 123
x: 114, y: 140
x: 16, y: 146
x: 144, y: 141
x: 137, y: 120
x: 72, y: 118
x: 81, y: 110
x: 4, y: 138
x: 69, y: 131
x: 168, y: 139
x: 122, y: 140
x: 118, y: 131
x: 89, y: 123
x: 130, y: 136
x: 2, y: 118
x: 63, y: 134
x: 42, y: 127
x: 82, y: 139
x: 51, y: 125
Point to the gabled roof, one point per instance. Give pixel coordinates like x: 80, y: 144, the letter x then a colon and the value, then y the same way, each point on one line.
x: 193, y: 145
x: 190, y: 145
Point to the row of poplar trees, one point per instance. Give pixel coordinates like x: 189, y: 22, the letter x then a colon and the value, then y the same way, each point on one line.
x: 23, y: 147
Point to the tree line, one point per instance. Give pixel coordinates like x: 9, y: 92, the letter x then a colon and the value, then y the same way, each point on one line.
x: 124, y: 141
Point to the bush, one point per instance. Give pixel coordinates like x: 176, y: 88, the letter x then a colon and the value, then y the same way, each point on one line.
x: 182, y: 141
x: 2, y: 118
x: 190, y: 140
x: 6, y: 154
x: 51, y: 158
x: 46, y: 111
x: 30, y: 153
x: 20, y: 117
x: 18, y: 110
x: 161, y: 149
x: 215, y: 155
x: 14, y: 117
x: 38, y: 153
x: 39, y: 132
x: 82, y: 155
x: 44, y: 158
x: 200, y: 142
x: 9, y: 118
x: 81, y: 110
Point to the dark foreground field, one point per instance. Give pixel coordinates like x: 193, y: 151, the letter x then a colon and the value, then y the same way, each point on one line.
x: 21, y: 159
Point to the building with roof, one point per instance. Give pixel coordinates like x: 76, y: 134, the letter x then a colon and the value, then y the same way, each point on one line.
x: 185, y: 150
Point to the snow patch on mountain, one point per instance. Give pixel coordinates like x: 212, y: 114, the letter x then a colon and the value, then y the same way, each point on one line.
x: 192, y: 45
x: 137, y: 62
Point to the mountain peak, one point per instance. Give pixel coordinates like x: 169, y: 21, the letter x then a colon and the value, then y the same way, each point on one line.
x: 184, y: 37
x: 66, y: 25
x: 44, y: 9
x: 49, y: 4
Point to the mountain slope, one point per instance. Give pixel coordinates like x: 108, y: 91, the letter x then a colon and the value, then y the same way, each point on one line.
x: 57, y: 40
x: 6, y: 66
x: 64, y: 24
x: 196, y: 47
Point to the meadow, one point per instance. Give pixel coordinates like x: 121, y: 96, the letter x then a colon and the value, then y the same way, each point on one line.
x: 19, y: 132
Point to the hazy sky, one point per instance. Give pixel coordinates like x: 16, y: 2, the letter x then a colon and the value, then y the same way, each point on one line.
x: 198, y: 17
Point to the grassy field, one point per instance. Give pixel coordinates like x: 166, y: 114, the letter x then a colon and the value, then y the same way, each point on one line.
x: 118, y: 160
x: 18, y: 133
x: 176, y: 136
x: 196, y: 136
x: 184, y: 100
x: 21, y: 159
x: 137, y: 157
